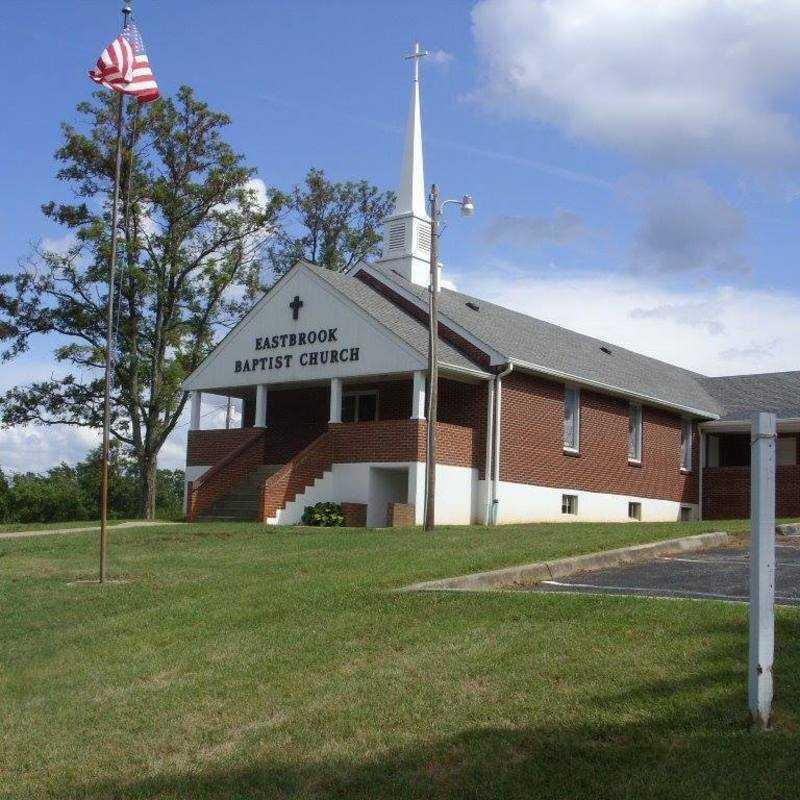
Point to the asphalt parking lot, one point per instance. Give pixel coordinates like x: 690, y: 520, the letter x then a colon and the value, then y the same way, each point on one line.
x: 721, y: 573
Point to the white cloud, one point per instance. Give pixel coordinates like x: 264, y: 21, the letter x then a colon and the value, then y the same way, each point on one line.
x: 561, y: 228
x: 714, y: 330
x: 36, y: 448
x: 59, y: 245
x: 689, y: 227
x: 676, y: 80
x: 441, y: 58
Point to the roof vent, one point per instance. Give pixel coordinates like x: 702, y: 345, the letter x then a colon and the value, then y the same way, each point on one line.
x: 606, y: 350
x: 473, y: 306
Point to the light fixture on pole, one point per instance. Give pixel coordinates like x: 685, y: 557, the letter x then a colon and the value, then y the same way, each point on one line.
x: 467, y: 210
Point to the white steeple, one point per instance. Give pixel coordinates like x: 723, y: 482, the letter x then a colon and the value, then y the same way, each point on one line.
x: 407, y: 232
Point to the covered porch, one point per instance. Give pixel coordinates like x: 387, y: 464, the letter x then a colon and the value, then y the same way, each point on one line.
x: 293, y: 435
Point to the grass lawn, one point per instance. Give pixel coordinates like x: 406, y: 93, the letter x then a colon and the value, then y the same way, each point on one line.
x: 240, y: 662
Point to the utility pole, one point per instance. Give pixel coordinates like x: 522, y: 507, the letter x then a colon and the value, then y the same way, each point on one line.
x: 433, y: 364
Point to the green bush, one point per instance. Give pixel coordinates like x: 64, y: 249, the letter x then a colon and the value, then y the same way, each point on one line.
x: 324, y: 515
x: 67, y: 492
x: 55, y: 497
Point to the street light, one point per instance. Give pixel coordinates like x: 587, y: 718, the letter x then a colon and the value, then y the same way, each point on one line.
x: 467, y: 210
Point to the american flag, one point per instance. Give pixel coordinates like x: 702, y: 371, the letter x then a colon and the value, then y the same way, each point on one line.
x: 124, y: 67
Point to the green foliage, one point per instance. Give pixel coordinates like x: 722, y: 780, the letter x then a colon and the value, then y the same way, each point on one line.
x: 65, y: 493
x: 323, y: 515
x: 189, y: 262
x: 334, y: 225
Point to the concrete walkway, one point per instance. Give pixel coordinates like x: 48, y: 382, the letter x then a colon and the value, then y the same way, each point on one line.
x: 113, y: 527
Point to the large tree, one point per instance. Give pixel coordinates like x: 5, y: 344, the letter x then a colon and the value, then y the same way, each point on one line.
x: 190, y: 243
x: 331, y: 224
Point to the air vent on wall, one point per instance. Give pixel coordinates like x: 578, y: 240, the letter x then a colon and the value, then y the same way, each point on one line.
x: 606, y: 350
x: 424, y: 238
x: 473, y: 306
x: 397, y: 235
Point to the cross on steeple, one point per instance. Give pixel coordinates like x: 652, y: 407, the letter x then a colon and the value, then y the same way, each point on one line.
x: 296, y: 305
x: 415, y: 57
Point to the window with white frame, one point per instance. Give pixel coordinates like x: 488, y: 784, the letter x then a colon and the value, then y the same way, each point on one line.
x: 635, y: 433
x: 569, y: 504
x: 686, y: 445
x: 572, y: 418
x: 360, y: 406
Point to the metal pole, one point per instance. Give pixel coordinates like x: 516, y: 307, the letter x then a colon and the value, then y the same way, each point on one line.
x: 762, y: 568
x: 109, y: 336
x: 433, y: 365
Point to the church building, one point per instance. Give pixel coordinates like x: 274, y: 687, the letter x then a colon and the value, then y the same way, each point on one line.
x: 535, y: 422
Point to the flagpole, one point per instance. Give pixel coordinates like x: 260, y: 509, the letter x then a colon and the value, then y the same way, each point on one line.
x: 126, y: 10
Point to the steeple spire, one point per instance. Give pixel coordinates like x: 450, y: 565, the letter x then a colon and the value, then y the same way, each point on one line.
x: 407, y: 231
x: 411, y: 192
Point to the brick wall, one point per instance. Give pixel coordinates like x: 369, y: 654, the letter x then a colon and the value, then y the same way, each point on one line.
x: 385, y: 440
x: 726, y: 492
x: 210, y: 446
x: 532, y: 444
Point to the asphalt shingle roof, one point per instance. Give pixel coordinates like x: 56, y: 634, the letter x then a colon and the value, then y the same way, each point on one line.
x: 558, y: 350
x: 741, y: 395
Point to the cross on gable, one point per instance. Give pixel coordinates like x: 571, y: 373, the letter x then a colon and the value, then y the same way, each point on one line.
x: 296, y: 305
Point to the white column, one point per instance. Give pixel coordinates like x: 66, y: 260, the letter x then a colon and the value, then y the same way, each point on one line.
x: 701, y: 467
x: 336, y: 400
x: 762, y: 568
x: 196, y: 401
x: 418, y: 396
x: 261, y: 406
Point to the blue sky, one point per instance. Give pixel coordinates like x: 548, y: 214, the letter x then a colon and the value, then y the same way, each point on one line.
x: 634, y: 166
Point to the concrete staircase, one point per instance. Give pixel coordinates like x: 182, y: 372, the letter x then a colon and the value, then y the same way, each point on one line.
x: 241, y: 503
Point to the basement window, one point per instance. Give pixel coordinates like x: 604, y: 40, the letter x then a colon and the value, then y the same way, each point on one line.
x: 635, y: 511
x: 569, y: 504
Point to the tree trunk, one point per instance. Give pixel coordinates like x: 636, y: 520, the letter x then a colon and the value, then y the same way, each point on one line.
x: 148, y: 463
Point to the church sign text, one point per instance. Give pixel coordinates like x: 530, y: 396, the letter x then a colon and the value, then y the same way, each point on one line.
x: 308, y: 358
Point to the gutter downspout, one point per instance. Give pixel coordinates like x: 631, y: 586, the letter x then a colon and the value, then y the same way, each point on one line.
x: 487, y: 464
x: 498, y: 420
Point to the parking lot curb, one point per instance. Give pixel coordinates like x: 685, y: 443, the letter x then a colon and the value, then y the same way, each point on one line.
x: 563, y: 567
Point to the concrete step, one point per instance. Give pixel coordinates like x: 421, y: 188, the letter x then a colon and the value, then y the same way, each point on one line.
x: 234, y: 507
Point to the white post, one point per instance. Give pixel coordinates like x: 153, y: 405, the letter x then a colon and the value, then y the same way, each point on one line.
x: 762, y: 568
x: 261, y: 406
x: 418, y: 396
x: 336, y: 400
x: 196, y: 401
x: 487, y: 469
